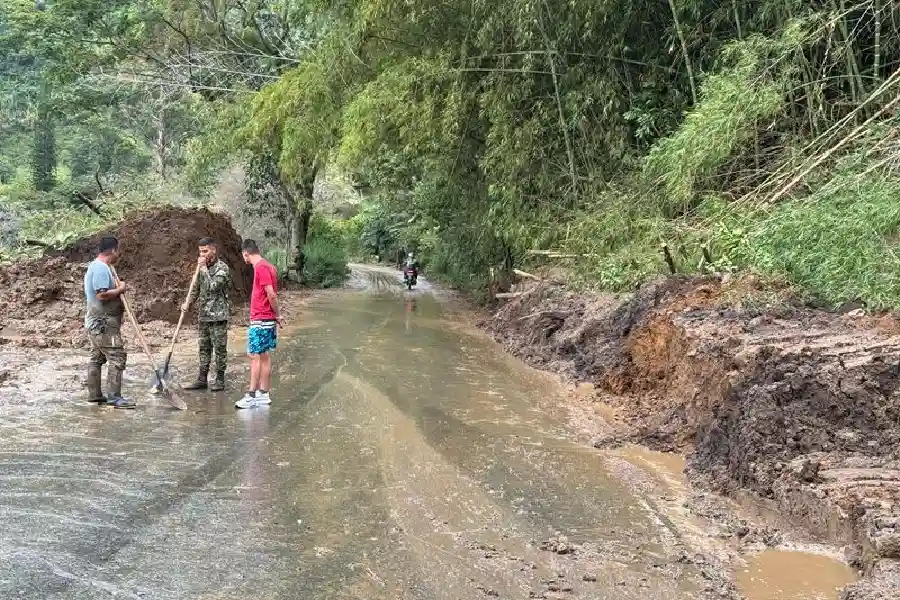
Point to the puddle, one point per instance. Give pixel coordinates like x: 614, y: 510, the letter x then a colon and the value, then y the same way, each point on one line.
x: 784, y: 575
x: 667, y: 463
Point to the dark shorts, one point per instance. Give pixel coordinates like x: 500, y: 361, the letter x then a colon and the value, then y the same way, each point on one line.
x: 262, y: 337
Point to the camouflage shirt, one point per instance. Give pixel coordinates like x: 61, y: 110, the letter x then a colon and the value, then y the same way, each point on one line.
x: 211, y: 293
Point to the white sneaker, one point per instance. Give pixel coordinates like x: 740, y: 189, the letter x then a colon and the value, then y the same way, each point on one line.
x: 247, y: 401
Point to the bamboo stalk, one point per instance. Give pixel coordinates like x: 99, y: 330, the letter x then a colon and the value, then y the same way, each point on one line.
x: 876, y: 66
x: 526, y: 275
x: 570, y: 152
x: 684, y: 51
x: 856, y: 83
x: 850, y: 137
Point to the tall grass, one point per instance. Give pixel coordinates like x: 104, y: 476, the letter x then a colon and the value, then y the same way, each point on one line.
x: 838, y: 244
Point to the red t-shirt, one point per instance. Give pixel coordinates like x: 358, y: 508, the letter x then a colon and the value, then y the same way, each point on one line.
x: 260, y: 308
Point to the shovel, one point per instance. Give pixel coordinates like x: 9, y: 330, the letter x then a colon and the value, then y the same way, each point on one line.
x: 172, y: 396
x: 157, y: 384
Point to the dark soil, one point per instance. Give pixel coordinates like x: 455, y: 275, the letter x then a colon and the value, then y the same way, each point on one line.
x: 800, y: 407
x: 45, y: 297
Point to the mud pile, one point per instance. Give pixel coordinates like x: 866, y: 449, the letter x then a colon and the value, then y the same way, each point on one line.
x: 43, y: 300
x: 801, y: 407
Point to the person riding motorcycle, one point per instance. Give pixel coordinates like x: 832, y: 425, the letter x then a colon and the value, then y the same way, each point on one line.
x: 411, y: 264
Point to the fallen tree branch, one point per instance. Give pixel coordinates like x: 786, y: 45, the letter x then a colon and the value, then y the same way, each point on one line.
x: 526, y: 275
x: 557, y: 254
x: 81, y: 197
x: 548, y: 313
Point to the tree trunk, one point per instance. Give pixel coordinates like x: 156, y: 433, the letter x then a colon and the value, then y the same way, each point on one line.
x: 43, y: 159
x: 160, y: 146
x: 304, y: 215
x: 302, y: 231
x: 293, y: 242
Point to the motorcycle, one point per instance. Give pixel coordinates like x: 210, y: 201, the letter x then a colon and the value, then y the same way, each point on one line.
x: 410, y: 275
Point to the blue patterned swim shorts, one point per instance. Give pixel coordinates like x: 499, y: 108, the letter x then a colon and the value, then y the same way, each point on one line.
x: 262, y: 337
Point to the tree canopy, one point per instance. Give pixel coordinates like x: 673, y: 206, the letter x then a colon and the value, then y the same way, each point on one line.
x: 485, y: 131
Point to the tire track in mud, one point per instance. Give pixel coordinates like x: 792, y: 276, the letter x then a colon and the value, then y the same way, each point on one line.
x: 479, y: 541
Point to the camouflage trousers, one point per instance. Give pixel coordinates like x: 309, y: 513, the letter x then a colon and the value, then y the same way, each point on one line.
x: 213, y: 341
x: 107, y: 346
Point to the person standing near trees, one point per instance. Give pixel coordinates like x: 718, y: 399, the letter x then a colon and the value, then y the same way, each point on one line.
x: 103, y: 321
x: 214, y: 312
x: 262, y: 337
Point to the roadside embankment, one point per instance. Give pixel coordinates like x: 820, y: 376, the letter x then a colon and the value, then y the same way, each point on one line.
x: 799, y: 407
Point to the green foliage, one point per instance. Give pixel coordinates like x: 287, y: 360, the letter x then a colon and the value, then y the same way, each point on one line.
x: 379, y: 230
x: 279, y: 259
x: 839, y: 244
x: 34, y: 221
x: 326, y: 262
x: 734, y: 104
x: 351, y: 237
x: 482, y: 131
x: 325, y: 229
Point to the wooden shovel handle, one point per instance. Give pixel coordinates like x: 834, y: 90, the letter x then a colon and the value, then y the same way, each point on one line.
x: 140, y: 334
x: 183, y: 312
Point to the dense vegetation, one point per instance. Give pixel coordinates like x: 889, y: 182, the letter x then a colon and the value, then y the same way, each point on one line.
x: 741, y: 135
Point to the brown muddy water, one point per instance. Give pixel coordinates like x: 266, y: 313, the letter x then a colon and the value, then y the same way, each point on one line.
x: 404, y: 457
x: 783, y: 575
x: 772, y: 574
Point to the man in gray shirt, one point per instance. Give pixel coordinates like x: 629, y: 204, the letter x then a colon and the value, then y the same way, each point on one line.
x: 103, y: 322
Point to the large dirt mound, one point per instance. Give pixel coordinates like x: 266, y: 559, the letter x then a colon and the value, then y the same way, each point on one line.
x: 799, y: 406
x: 45, y: 297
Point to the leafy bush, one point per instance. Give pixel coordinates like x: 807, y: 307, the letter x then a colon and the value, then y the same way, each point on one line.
x: 326, y: 263
x: 278, y: 258
x: 324, y: 228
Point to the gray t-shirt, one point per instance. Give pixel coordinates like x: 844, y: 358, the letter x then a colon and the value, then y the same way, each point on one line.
x: 99, y: 277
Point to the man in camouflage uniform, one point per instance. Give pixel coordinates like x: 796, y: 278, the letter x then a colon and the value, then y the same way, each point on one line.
x: 103, y: 321
x: 214, y: 308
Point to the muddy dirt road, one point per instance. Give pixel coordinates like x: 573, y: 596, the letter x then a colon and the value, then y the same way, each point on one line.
x: 404, y: 457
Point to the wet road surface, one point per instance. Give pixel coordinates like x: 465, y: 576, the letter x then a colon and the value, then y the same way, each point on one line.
x: 404, y: 457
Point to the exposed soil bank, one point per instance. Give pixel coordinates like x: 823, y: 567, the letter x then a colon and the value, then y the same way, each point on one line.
x: 42, y: 300
x: 800, y: 407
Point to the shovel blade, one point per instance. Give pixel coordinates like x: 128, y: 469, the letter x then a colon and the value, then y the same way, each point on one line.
x: 173, y: 397
x: 169, y: 390
x: 176, y: 401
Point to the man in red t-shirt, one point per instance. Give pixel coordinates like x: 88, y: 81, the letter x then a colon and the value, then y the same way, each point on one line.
x: 262, y: 337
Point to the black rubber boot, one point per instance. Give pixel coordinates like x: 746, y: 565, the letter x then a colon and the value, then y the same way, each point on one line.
x: 95, y: 390
x: 200, y: 383
x: 219, y: 384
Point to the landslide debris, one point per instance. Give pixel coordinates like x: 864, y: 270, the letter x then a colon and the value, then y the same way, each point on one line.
x: 42, y: 300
